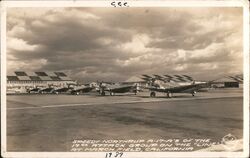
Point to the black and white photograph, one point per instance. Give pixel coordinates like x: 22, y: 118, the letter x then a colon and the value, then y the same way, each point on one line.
x: 122, y: 79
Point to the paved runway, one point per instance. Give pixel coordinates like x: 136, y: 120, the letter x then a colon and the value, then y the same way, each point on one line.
x: 52, y: 122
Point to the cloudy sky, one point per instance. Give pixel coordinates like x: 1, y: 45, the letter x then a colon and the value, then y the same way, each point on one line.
x: 116, y: 43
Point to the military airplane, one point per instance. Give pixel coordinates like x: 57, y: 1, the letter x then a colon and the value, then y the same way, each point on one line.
x: 173, y: 87
x: 181, y: 80
x: 40, y: 89
x: 85, y: 88
x: 47, y: 89
x: 35, y: 89
x: 63, y: 89
x: 113, y: 88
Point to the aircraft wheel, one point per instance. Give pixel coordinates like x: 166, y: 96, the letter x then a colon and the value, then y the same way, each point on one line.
x: 152, y: 94
x: 193, y: 93
x: 111, y: 93
x: 169, y: 95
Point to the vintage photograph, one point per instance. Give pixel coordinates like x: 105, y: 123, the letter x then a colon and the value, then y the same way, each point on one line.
x: 120, y: 80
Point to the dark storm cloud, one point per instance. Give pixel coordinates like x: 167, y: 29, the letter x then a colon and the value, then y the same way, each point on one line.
x: 190, y: 40
x: 113, y: 44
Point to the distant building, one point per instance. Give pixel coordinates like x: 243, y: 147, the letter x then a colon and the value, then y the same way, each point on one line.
x: 19, y: 81
x: 229, y: 82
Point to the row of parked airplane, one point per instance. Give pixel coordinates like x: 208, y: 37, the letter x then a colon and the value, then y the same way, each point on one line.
x: 76, y: 89
x: 153, y: 84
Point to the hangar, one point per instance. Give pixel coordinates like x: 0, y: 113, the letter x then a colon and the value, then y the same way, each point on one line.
x: 229, y: 82
x: 19, y: 81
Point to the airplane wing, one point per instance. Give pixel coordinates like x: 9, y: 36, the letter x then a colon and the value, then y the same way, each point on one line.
x: 62, y: 89
x: 121, y: 89
x: 187, y: 88
x: 47, y: 90
x: 84, y: 89
x: 36, y: 89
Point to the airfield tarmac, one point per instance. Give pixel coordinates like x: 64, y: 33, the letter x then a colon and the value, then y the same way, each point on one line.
x: 52, y: 122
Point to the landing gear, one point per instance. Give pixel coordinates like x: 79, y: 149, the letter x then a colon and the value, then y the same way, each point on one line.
x: 112, y: 93
x: 135, y: 92
x: 102, y: 93
x: 169, y: 95
x: 193, y: 93
x: 152, y: 94
x: 137, y: 89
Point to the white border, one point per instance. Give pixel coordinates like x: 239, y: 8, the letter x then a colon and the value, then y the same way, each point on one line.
x: 246, y: 77
x: 3, y: 81
x: 211, y: 3
x: 139, y: 3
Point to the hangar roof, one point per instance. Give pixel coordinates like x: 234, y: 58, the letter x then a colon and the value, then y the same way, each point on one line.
x: 238, y: 78
x: 229, y: 79
x: 173, y: 77
x: 135, y: 79
x: 37, y: 76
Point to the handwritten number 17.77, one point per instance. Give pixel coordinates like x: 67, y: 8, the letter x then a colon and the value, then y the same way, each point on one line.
x: 117, y: 154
